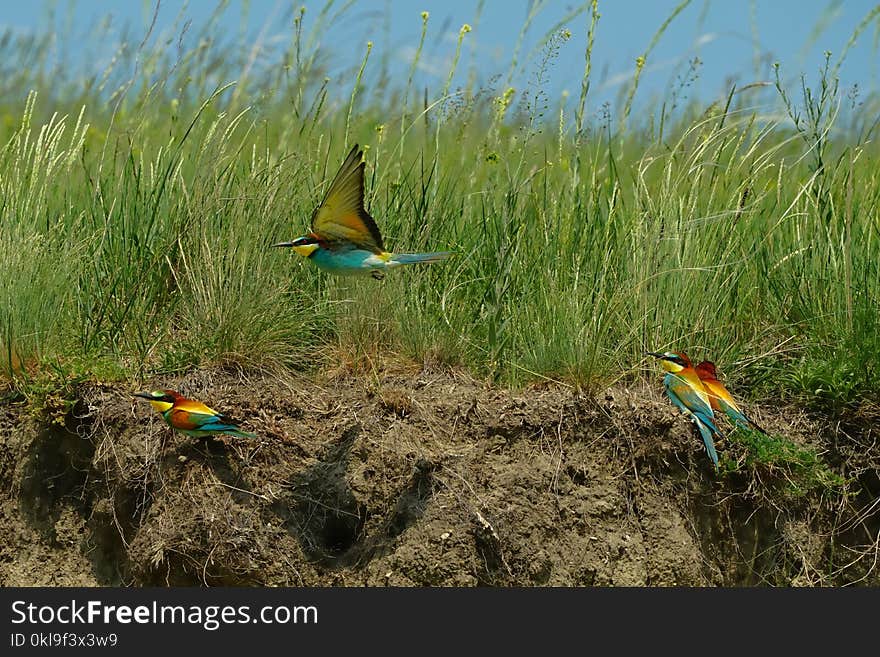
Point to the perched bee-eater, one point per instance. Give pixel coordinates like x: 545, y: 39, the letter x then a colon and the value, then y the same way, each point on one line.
x: 345, y: 239
x: 191, y: 417
x: 720, y: 398
x: 686, y: 391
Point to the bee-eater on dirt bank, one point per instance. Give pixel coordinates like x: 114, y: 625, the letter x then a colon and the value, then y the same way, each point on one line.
x: 686, y: 391
x: 191, y: 417
x: 720, y: 399
x: 344, y: 238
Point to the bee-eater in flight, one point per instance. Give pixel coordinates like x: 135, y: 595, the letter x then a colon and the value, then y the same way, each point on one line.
x: 720, y: 399
x: 686, y: 391
x: 344, y: 238
x: 191, y: 417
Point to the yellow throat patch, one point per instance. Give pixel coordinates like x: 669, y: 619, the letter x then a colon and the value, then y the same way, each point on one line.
x: 305, y: 250
x: 160, y: 406
x: 669, y: 366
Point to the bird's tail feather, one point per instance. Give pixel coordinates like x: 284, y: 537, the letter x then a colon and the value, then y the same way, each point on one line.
x: 226, y: 429
x: 706, y: 433
x: 413, y: 258
x: 745, y: 422
x: 755, y: 425
x: 241, y: 434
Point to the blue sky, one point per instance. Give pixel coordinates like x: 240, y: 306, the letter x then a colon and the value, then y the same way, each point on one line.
x: 733, y: 39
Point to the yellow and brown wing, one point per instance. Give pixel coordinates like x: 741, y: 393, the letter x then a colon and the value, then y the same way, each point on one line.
x: 193, y: 406
x: 191, y: 415
x: 341, y: 215
x: 696, y: 392
x: 717, y: 389
x: 187, y: 420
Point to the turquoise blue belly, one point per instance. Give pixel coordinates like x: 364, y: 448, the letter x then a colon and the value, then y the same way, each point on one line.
x: 351, y: 262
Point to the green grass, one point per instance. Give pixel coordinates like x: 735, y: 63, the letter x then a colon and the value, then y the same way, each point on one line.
x: 799, y: 470
x: 137, y: 207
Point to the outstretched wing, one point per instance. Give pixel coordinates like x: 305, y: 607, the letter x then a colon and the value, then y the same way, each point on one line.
x: 341, y: 215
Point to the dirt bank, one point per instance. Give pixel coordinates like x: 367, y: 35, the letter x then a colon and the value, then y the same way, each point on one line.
x: 421, y: 478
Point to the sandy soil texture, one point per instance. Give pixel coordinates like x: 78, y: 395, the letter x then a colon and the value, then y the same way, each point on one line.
x: 414, y: 478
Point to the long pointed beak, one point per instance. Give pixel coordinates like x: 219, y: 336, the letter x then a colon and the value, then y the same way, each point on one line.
x: 288, y: 244
x: 654, y: 354
x: 143, y: 395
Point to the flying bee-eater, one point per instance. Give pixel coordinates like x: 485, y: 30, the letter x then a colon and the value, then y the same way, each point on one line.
x: 720, y: 399
x: 344, y: 238
x: 686, y: 391
x: 191, y: 417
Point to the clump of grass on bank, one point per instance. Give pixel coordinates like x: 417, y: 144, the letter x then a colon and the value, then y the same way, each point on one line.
x: 798, y: 469
x: 137, y: 208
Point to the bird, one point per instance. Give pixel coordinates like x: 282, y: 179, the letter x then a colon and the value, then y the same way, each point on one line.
x: 720, y: 399
x: 344, y: 238
x: 191, y: 417
x: 686, y: 391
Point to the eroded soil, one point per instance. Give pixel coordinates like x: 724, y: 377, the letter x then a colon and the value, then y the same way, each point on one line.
x: 420, y: 478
